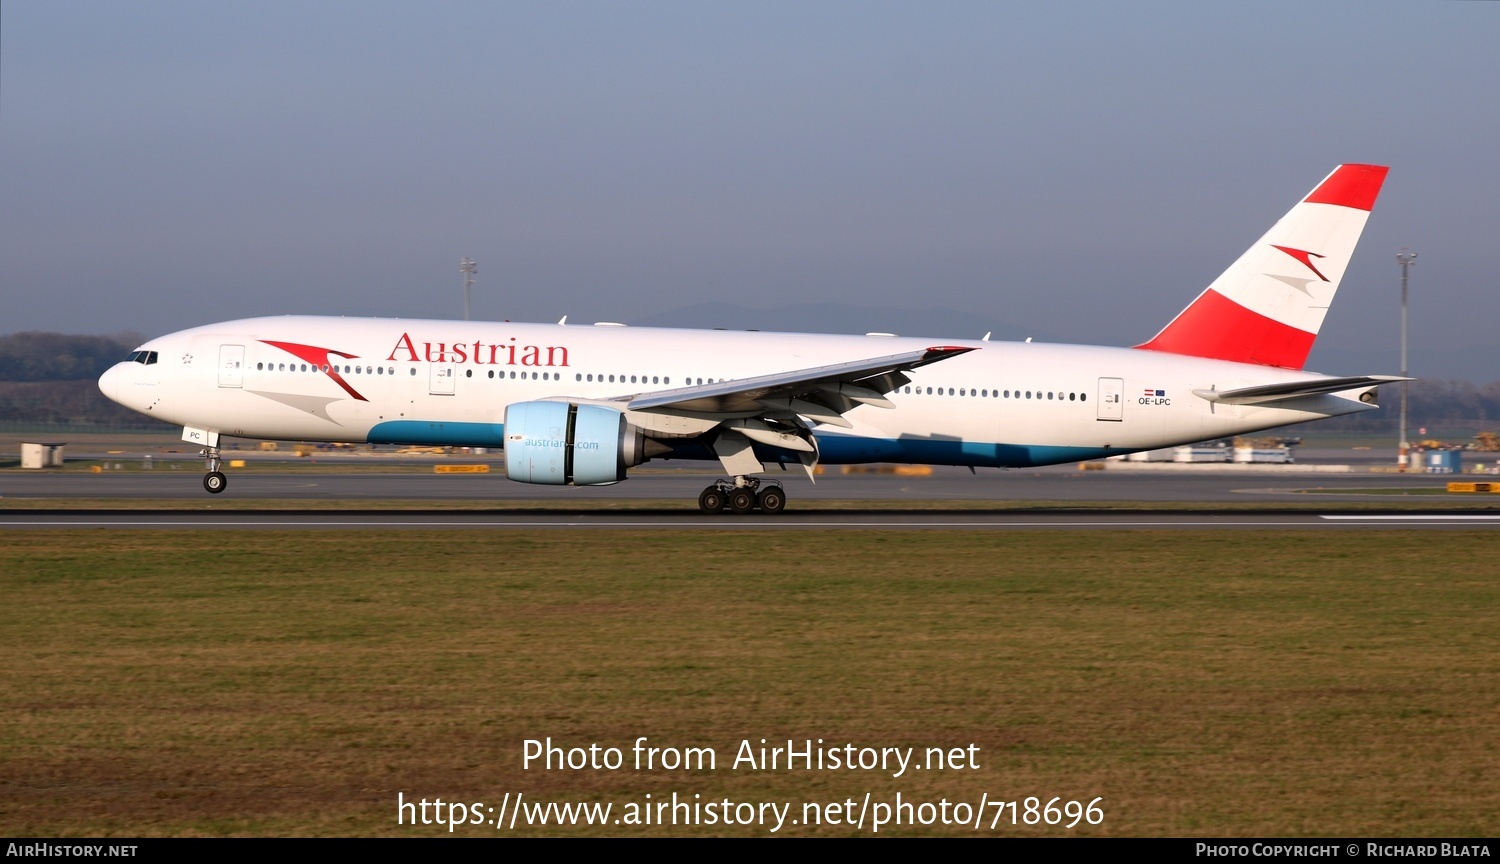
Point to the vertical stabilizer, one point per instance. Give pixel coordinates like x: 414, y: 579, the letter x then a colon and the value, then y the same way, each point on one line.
x: 1267, y: 307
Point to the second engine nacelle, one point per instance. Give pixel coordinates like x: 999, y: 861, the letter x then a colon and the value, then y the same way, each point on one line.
x: 559, y: 443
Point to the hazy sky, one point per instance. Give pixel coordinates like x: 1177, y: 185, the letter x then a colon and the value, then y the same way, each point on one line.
x: 1081, y: 168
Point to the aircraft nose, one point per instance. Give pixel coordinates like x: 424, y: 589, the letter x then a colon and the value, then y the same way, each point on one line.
x: 109, y: 383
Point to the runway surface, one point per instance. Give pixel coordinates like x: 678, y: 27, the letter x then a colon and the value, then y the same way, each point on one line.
x: 1062, y: 483
x: 865, y: 501
x: 678, y: 521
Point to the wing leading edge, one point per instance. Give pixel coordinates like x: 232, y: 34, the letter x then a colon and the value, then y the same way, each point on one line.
x: 826, y: 391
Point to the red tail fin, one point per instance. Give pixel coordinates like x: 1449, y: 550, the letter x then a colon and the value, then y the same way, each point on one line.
x: 1268, y: 306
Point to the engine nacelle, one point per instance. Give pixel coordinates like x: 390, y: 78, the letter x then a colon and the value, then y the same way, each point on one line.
x: 560, y: 443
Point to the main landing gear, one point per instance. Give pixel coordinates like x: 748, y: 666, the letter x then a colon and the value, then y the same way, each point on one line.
x: 214, y: 481
x: 742, y: 496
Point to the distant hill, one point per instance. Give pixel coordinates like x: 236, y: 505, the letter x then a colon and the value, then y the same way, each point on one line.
x: 76, y: 403
x: 52, y: 378
x: 60, y: 356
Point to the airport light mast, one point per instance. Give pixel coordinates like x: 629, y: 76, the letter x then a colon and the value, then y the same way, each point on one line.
x: 1405, y: 259
x: 469, y: 268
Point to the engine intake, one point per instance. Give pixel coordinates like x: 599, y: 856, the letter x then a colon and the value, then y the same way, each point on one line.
x: 560, y: 443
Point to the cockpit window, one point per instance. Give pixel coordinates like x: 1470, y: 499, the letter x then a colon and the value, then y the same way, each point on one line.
x: 144, y: 357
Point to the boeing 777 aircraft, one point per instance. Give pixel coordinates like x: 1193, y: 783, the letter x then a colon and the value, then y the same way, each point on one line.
x: 579, y: 405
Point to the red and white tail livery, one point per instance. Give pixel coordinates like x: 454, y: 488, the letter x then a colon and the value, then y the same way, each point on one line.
x: 580, y: 405
x: 1267, y: 307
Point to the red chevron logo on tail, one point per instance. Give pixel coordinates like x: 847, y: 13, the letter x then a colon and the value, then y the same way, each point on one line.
x: 1303, y: 256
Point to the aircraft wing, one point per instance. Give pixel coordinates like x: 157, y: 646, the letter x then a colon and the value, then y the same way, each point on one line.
x: 768, y: 409
x: 820, y: 393
x: 1293, y: 389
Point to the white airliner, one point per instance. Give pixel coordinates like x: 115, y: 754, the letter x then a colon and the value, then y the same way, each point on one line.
x: 579, y: 405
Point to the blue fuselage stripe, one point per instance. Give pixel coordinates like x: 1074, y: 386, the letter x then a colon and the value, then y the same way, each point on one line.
x: 438, y: 433
x: 833, y: 449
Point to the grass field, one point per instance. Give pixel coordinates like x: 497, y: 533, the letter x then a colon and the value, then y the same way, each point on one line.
x: 1202, y: 683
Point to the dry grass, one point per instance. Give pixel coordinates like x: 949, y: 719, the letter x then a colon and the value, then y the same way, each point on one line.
x: 1224, y: 683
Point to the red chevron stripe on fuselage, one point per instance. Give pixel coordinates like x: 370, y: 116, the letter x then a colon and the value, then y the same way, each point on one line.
x: 318, y: 357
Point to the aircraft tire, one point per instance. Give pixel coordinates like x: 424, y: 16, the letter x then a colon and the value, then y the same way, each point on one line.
x: 742, y: 502
x: 711, y: 500
x: 772, y: 500
x: 215, y: 481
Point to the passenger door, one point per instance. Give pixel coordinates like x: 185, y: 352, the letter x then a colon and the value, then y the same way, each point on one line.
x: 1112, y: 399
x: 231, y: 365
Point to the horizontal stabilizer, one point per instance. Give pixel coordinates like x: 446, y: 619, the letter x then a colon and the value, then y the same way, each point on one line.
x: 1294, y: 389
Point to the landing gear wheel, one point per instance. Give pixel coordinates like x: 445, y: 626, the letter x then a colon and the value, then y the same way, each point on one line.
x: 712, y: 500
x: 215, y: 481
x: 742, y: 502
x: 772, y: 500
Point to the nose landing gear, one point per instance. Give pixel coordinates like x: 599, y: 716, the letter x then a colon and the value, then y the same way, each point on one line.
x: 742, y: 496
x: 214, y: 481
